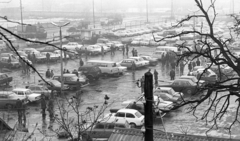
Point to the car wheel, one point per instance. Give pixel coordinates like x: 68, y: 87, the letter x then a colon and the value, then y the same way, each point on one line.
x: 189, y: 91
x: 132, y: 125
x: 9, y: 106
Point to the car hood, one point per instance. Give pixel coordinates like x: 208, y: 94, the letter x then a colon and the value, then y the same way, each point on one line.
x: 34, y: 95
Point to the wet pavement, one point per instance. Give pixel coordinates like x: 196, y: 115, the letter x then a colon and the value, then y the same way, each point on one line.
x: 120, y: 89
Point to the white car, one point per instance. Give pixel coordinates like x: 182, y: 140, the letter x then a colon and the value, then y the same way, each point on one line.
x: 135, y: 42
x: 53, y: 56
x: 133, y: 117
x: 105, y: 47
x: 72, y: 46
x: 167, y: 90
x: 94, y: 49
x: 140, y: 61
x: 118, y: 45
x: 58, y: 53
x: 27, y: 93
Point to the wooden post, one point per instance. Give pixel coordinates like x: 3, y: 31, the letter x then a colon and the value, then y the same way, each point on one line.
x: 148, y: 93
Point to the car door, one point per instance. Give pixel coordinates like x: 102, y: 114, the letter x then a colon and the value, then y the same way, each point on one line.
x: 130, y: 118
x: 20, y: 94
x: 120, y: 117
x: 176, y: 86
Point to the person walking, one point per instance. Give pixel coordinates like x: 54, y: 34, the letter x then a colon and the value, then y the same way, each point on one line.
x: 127, y: 49
x: 75, y: 72
x: 198, y: 62
x: 181, y: 68
x: 33, y: 58
x: 123, y: 50
x: 51, y: 74
x: 51, y: 109
x: 156, y: 76
x: 133, y: 52
x: 43, y: 106
x: 19, y: 110
x: 111, y: 49
x: 48, y: 74
x: 172, y: 74
x: 81, y: 63
x: 48, y: 57
x: 193, y: 64
x: 24, y: 118
x: 190, y: 66
x: 102, y: 50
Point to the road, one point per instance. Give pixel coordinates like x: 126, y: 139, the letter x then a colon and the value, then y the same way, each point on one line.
x: 120, y: 89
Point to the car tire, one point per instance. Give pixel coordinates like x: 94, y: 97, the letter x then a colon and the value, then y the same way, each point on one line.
x: 189, y: 91
x: 9, y: 106
x: 132, y: 125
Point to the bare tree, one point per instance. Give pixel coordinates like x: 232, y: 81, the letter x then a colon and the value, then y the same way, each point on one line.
x: 217, y: 51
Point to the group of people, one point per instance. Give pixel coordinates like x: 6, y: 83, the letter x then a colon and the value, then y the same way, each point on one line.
x: 21, y: 109
x: 192, y: 64
x: 49, y: 74
x: 49, y: 106
x: 134, y: 52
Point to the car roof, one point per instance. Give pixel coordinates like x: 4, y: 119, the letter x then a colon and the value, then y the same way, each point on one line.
x: 129, y: 59
x: 100, y: 61
x: 182, y: 80
x: 127, y: 110
x: 187, y: 76
x: 66, y: 74
x: 20, y: 89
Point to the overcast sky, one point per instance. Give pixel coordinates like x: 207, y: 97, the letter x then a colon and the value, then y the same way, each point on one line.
x: 78, y: 5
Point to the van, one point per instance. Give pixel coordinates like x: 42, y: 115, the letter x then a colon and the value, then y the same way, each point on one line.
x: 107, y: 67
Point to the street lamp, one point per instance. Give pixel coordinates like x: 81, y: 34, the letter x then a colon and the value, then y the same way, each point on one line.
x: 60, y: 34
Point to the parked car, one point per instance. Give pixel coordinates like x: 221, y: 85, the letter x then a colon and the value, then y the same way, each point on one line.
x: 168, y: 90
x: 168, y: 97
x: 105, y: 47
x: 69, y: 54
x: 195, y: 70
x: 53, y: 56
x: 118, y: 45
x: 48, y: 49
x: 27, y: 93
x: 8, y: 99
x: 207, y: 75
x: 40, y: 57
x: 183, y: 85
x: 53, y: 85
x: 159, y: 54
x: 108, y: 68
x: 90, y: 71
x: 94, y: 49
x: 40, y: 89
x: 5, y: 62
x: 140, y: 61
x: 152, y: 61
x: 72, y: 46
x: 193, y: 79
x: 133, y: 117
x: 74, y: 82
x: 29, y: 50
x: 103, y: 130
x: 5, y: 79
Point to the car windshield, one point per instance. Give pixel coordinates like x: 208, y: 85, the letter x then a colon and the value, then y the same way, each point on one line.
x: 138, y: 114
x: 28, y: 92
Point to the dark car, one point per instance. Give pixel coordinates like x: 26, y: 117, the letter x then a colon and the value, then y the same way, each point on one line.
x: 184, y: 85
x: 91, y: 72
x: 54, y: 85
x: 72, y: 80
x: 5, y: 79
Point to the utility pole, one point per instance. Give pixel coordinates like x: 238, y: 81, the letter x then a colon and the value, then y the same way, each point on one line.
x: 21, y: 14
x: 148, y: 108
x: 147, y: 9
x: 93, y: 14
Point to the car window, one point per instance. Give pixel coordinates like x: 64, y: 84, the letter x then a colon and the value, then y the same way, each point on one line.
x: 120, y: 114
x: 128, y: 115
x: 110, y: 126
x: 138, y: 114
x: 28, y: 92
x: 20, y: 93
x: 176, y: 83
x: 99, y: 126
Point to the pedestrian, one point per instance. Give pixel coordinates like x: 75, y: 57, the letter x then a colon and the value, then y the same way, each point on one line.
x: 190, y: 66
x: 102, y: 50
x: 64, y: 71
x: 172, y: 74
x: 19, y: 110
x: 156, y: 76
x: 198, y: 62
x: 43, y: 106
x: 51, y: 109
x: 133, y: 66
x: 48, y: 74
x: 133, y: 52
x: 193, y: 64
x: 33, y: 58
x: 67, y: 71
x: 127, y: 49
x: 24, y: 108
x: 48, y: 57
x: 181, y: 68
x: 51, y: 74
x: 9, y: 59
x: 123, y: 50
x: 81, y: 63
x: 65, y: 55
x: 173, y: 65
x: 142, y: 84
x: 75, y: 72
x: 198, y: 75
x: 111, y: 49
x: 29, y: 57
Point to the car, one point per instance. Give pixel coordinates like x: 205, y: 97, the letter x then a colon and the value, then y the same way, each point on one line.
x: 118, y: 45
x: 21, y: 53
x: 135, y: 43
x: 72, y: 46
x: 40, y: 89
x: 133, y: 117
x: 94, y: 49
x: 5, y: 62
x: 207, y: 75
x: 53, y: 85
x: 129, y: 63
x: 29, y: 50
x: 8, y: 99
x: 168, y: 97
x: 5, y: 79
x: 194, y: 79
x: 105, y: 47
x: 103, y: 130
x: 139, y: 106
x: 72, y: 80
x: 185, y: 86
x: 90, y: 71
x: 108, y: 68
x: 140, y: 61
x: 53, y: 56
x: 48, y: 49
x: 27, y: 93
x: 159, y: 54
x: 152, y: 61
x: 195, y: 69
x: 168, y: 90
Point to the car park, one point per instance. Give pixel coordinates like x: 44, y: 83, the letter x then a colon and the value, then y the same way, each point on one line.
x: 26, y: 93
x: 133, y: 117
x: 92, y: 72
x: 184, y: 85
x: 9, y: 99
x: 40, y: 89
x: 72, y: 46
x: 74, y: 82
x: 5, y: 79
x: 108, y: 68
